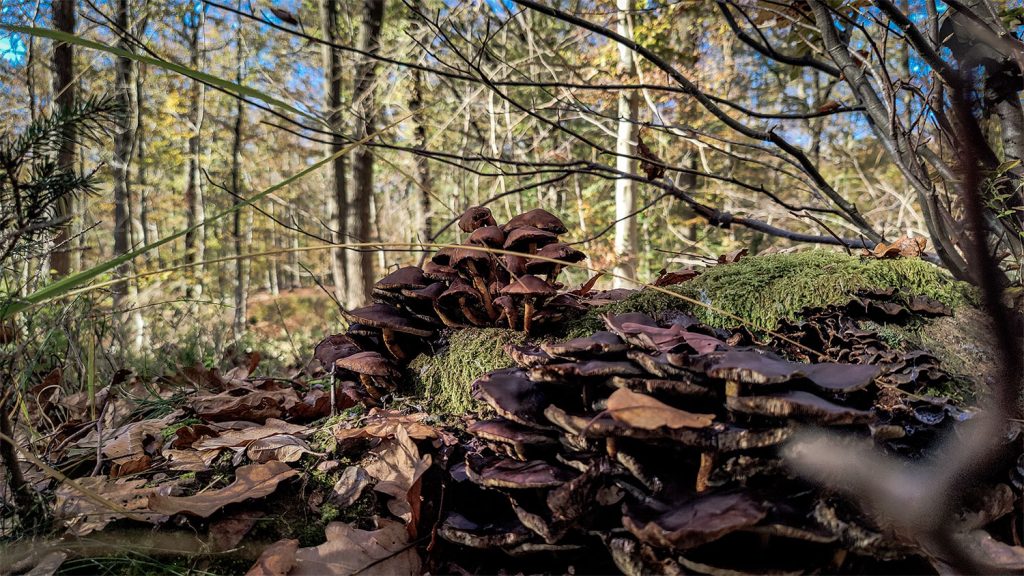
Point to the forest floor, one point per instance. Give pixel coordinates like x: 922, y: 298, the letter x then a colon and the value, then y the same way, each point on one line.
x: 639, y: 434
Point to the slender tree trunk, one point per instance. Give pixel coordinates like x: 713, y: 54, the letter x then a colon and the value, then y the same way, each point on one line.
x: 124, y: 136
x: 625, y: 189
x: 420, y: 142
x: 65, y: 259
x: 141, y: 169
x: 195, y: 241
x: 338, y: 181
x: 238, y: 230
x: 360, y: 266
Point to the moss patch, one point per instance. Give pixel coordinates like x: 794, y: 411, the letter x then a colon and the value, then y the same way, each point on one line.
x: 444, y: 380
x: 765, y: 289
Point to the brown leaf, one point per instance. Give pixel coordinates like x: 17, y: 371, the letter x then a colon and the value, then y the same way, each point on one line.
x: 253, y: 405
x: 252, y: 481
x: 903, y: 246
x: 386, y: 424
x: 283, y: 447
x: 588, y: 285
x: 732, y: 257
x: 652, y: 166
x: 124, y: 498
x: 242, y: 438
x: 666, y: 278
x: 701, y: 520
x: 284, y: 16
x: 276, y: 559
x: 642, y: 411
x: 829, y: 106
x: 348, y: 550
x: 350, y: 486
x: 397, y: 466
x: 227, y: 533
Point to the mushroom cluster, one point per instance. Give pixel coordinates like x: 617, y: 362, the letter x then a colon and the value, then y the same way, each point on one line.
x: 660, y: 440
x: 501, y: 276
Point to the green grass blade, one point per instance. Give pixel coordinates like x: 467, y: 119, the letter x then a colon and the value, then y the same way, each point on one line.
x: 232, y: 87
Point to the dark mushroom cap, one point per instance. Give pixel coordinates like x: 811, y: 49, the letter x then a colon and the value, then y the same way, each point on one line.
x: 388, y: 317
x: 516, y: 475
x: 463, y: 531
x: 799, y: 405
x: 513, y: 396
x: 462, y: 257
x: 491, y: 236
x: 458, y: 289
x: 557, y: 251
x: 443, y: 256
x: 439, y: 272
x: 333, y: 347
x: 508, y: 432
x: 538, y: 218
x: 368, y: 363
x: 527, y: 355
x: 428, y: 293
x: 529, y: 286
x: 409, y: 277
x: 601, y: 342
x: 516, y: 265
x: 524, y: 236
x: 476, y: 217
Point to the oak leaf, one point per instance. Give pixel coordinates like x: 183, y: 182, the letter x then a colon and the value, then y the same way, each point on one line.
x: 642, y: 411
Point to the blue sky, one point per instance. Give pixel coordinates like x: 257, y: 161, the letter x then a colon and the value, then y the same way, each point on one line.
x: 12, y: 49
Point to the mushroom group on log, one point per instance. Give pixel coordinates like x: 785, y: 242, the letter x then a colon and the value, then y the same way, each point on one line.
x: 502, y: 276
x: 658, y: 442
x: 653, y: 445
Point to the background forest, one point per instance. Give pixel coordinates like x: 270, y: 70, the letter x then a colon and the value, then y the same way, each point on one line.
x: 479, y: 102
x: 244, y: 243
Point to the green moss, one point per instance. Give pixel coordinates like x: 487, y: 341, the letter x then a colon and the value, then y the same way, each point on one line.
x: 765, y: 289
x: 444, y: 380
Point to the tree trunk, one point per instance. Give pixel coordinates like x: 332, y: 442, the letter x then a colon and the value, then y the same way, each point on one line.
x: 124, y: 140
x: 625, y: 189
x: 195, y: 240
x: 65, y: 259
x: 420, y: 142
x: 338, y: 181
x: 146, y: 232
x: 360, y: 277
x: 239, y: 232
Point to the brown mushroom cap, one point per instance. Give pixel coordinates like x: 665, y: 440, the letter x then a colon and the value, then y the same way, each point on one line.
x: 476, y: 217
x: 368, y: 363
x: 491, y: 236
x: 523, y: 237
x: 462, y: 257
x: 439, y: 272
x: 428, y: 293
x: 529, y: 286
x: 538, y: 218
x: 388, y: 317
x: 516, y: 475
x: 408, y: 277
x: 334, y: 347
x: 516, y: 265
x: 443, y: 256
x: 601, y: 342
x: 458, y: 289
x: 557, y: 251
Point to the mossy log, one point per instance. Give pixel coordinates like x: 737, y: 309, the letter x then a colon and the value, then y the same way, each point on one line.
x: 760, y: 291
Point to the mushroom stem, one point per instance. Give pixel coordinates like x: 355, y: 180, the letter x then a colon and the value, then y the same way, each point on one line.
x: 470, y: 314
x: 371, y: 389
x: 481, y: 286
x: 554, y: 273
x: 527, y: 313
x: 334, y: 410
x: 732, y: 388
x: 447, y: 319
x: 392, y: 345
x: 707, y: 464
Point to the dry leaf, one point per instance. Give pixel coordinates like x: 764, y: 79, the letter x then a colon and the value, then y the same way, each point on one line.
x: 701, y: 520
x: 642, y: 411
x: 283, y: 447
x: 350, y: 486
x: 652, y: 166
x: 244, y: 437
x: 127, y: 499
x: 386, y: 423
x: 253, y: 405
x: 732, y: 257
x: 397, y: 469
x: 348, y: 550
x: 252, y: 481
x: 666, y: 278
x: 903, y: 246
x: 227, y: 533
x: 276, y: 559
